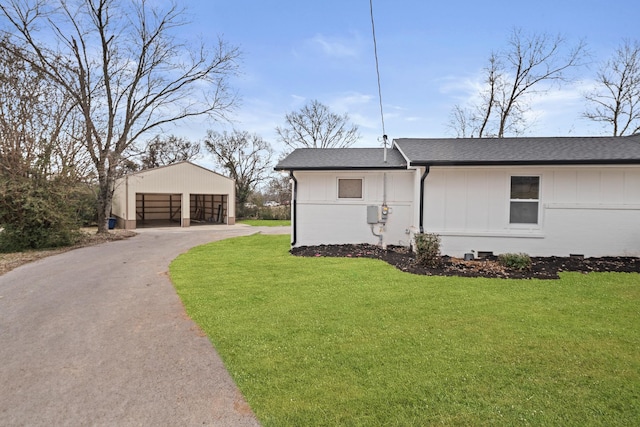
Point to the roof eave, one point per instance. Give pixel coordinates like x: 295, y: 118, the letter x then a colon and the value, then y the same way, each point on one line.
x: 527, y: 162
x: 333, y: 168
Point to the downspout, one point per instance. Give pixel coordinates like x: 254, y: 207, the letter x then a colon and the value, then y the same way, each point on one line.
x: 382, y: 219
x: 384, y: 189
x: 294, y: 200
x: 422, y: 179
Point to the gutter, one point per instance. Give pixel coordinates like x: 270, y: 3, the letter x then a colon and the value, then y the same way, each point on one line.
x: 422, y: 179
x: 342, y: 168
x: 585, y: 162
x: 294, y: 218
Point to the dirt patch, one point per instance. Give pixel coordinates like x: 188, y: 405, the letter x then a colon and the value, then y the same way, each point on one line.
x: 9, y: 261
x: 541, y: 267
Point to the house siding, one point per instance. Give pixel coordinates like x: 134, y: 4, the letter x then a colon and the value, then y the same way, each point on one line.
x: 588, y: 210
x: 323, y: 218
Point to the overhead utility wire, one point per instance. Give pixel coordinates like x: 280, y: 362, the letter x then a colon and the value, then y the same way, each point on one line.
x: 375, y: 52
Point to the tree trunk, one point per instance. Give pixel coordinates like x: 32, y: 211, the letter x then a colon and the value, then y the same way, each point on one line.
x: 105, y: 197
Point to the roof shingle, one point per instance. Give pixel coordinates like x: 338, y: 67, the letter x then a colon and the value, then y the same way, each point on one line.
x: 471, y: 151
x: 341, y: 158
x: 547, y: 150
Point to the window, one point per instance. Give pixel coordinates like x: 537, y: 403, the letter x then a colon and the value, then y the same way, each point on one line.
x: 349, y: 188
x: 524, y: 200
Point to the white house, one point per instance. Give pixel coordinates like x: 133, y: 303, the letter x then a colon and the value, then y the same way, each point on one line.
x: 540, y: 196
x: 182, y: 193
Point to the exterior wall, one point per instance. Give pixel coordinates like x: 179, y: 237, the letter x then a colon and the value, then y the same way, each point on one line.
x: 587, y: 210
x: 181, y: 178
x: 322, y: 218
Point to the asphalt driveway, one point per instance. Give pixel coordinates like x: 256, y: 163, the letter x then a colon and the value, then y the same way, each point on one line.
x: 98, y: 336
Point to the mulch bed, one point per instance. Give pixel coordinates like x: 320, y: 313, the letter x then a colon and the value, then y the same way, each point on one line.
x: 541, y: 267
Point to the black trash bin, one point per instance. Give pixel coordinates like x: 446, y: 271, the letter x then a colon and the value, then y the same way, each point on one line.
x: 112, y: 223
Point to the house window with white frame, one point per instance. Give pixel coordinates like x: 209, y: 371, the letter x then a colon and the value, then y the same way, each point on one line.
x: 524, y: 200
x: 350, y: 188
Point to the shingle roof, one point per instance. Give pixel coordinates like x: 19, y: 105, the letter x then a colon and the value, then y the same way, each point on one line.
x: 471, y: 151
x: 341, y: 158
x: 496, y: 151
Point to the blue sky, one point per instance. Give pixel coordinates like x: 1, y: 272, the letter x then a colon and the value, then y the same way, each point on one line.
x: 431, y: 55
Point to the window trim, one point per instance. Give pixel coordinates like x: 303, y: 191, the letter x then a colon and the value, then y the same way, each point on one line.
x: 538, y: 222
x: 340, y: 178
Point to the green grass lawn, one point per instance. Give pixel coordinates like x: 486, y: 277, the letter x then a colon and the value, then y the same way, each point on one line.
x: 328, y: 341
x: 265, y: 222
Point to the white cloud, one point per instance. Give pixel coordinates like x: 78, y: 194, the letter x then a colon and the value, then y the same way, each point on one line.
x: 333, y: 47
x: 344, y: 102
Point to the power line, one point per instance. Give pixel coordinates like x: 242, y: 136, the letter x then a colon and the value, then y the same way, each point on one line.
x: 375, y: 52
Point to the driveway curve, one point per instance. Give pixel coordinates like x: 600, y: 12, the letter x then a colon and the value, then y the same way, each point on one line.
x: 98, y: 336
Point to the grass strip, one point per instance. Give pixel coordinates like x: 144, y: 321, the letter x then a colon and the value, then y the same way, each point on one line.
x: 266, y: 222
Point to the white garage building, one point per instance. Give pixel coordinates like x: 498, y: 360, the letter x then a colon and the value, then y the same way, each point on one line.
x: 180, y: 194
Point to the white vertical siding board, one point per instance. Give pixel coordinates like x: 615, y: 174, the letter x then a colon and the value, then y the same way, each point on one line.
x: 632, y: 186
x: 434, y: 200
x: 565, y: 186
x: 498, y: 185
x: 477, y: 212
x: 612, y: 187
x: 588, y: 186
x: 455, y: 201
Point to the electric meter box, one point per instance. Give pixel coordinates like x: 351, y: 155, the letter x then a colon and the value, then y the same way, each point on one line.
x: 372, y: 214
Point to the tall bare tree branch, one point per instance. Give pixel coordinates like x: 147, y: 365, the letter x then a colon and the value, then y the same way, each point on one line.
x: 315, y: 126
x: 616, y: 100
x: 530, y: 65
x: 246, y: 157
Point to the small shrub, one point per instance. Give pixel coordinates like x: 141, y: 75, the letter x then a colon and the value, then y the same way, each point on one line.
x: 427, y: 249
x: 519, y: 261
x: 36, y: 214
x: 83, y: 199
x: 265, y: 212
x: 276, y: 212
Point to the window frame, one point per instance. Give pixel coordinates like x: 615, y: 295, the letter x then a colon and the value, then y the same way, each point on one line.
x: 341, y: 178
x: 537, y: 200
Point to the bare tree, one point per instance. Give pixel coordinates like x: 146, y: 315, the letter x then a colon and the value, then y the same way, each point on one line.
x: 41, y: 194
x: 124, y: 68
x: 530, y: 65
x: 279, y: 188
x: 315, y: 126
x: 166, y: 150
x: 37, y: 123
x: 616, y: 100
x: 246, y: 157
x: 465, y: 121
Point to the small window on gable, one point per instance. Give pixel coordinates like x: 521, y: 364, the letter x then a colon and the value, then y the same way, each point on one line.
x: 349, y: 188
x: 524, y: 199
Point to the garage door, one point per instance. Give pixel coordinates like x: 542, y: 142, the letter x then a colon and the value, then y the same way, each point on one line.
x: 156, y: 210
x: 208, y: 208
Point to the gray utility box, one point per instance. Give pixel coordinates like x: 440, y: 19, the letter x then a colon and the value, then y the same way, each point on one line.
x: 372, y: 215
